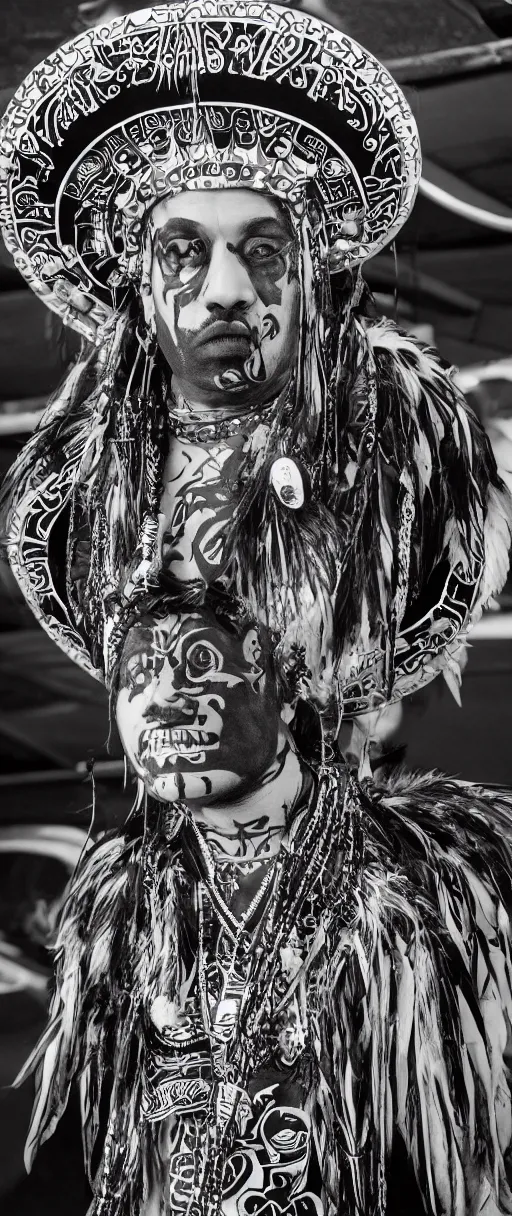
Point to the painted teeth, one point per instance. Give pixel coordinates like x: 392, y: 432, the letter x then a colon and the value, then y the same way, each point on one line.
x: 166, y: 758
x: 158, y: 742
x: 181, y: 735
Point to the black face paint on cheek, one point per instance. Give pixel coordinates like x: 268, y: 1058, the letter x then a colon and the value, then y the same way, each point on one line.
x: 141, y: 663
x: 267, y: 277
x: 173, y: 342
x: 180, y: 782
x: 254, y: 367
x: 171, y: 267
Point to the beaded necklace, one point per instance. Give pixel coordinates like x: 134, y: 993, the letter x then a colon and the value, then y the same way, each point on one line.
x: 192, y: 426
x: 235, y: 927
x: 315, y: 866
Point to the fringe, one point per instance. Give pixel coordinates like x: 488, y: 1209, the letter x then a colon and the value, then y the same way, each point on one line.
x: 429, y: 439
x: 411, y: 1003
x: 117, y: 947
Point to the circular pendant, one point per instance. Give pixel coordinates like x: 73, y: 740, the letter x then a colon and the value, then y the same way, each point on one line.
x: 287, y: 484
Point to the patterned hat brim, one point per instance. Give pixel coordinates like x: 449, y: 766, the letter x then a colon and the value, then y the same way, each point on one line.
x: 214, y: 93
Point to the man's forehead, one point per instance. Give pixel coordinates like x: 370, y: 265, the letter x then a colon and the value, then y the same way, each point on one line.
x: 160, y: 631
x: 165, y: 633
x: 217, y: 208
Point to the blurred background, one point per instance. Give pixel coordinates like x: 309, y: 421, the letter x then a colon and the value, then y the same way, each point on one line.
x: 449, y: 280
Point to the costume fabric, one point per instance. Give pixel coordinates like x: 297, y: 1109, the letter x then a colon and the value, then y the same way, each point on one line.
x: 385, y: 569
x: 384, y: 1013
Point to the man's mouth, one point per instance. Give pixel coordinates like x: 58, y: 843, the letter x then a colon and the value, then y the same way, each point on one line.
x: 162, y: 743
x: 226, y: 333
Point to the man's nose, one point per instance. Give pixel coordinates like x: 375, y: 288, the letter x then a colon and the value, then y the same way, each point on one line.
x: 227, y: 285
x: 170, y: 707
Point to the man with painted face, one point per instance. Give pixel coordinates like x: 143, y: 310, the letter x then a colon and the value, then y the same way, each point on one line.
x: 226, y: 296
x: 271, y: 952
x: 195, y: 189
x: 225, y: 307
x: 185, y: 688
x: 197, y: 710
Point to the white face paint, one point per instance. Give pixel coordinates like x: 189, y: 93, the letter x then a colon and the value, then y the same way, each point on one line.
x: 226, y: 294
x: 197, y: 716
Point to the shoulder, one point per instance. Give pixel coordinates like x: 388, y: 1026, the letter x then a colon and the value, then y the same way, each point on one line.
x: 431, y: 826
x: 426, y: 968
x: 416, y: 385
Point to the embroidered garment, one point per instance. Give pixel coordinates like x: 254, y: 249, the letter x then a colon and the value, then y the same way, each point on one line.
x: 272, y: 1165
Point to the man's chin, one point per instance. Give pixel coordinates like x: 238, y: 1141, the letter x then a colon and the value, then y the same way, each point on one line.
x: 227, y: 379
x: 201, y: 787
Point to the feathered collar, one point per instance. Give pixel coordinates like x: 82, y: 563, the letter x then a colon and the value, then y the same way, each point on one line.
x: 410, y: 1002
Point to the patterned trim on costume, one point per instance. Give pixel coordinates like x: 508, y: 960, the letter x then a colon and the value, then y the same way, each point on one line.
x: 28, y: 552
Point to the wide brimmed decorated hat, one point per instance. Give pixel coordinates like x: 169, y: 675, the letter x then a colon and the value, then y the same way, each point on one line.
x: 202, y: 95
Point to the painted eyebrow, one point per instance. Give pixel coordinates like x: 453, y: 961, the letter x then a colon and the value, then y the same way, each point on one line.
x: 178, y: 227
x: 265, y: 225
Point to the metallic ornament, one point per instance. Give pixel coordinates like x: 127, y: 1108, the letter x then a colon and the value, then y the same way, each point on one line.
x: 190, y: 428
x: 287, y: 484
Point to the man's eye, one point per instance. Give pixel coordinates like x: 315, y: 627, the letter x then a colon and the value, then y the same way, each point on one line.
x: 202, y: 660
x: 181, y: 253
x: 261, y: 250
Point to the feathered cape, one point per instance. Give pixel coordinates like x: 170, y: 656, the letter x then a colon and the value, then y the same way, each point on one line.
x: 403, y: 540
x: 411, y: 1036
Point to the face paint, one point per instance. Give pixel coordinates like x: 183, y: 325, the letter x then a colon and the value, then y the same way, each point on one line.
x: 226, y: 295
x: 196, y: 711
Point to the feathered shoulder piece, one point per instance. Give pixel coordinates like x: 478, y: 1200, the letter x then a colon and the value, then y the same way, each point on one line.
x: 426, y: 516
x: 409, y: 996
x: 405, y: 530
x: 416, y: 1016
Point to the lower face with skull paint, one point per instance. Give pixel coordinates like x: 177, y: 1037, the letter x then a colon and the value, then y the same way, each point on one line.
x: 225, y: 293
x: 196, y: 707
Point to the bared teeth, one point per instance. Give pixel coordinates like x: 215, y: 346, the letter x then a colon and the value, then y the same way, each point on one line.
x: 196, y: 757
x: 157, y: 742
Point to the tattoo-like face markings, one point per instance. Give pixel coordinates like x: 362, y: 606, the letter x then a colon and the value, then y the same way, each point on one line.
x: 196, y: 711
x: 226, y: 294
